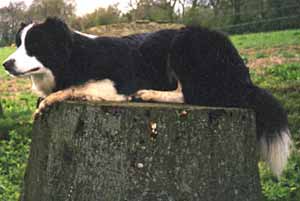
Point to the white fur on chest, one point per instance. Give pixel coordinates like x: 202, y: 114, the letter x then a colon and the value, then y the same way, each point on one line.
x: 43, y: 84
x: 99, y: 90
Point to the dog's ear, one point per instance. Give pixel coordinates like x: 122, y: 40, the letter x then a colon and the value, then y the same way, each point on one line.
x: 22, y: 25
x: 59, y: 32
x: 55, y: 21
x: 18, y: 37
x: 58, y: 28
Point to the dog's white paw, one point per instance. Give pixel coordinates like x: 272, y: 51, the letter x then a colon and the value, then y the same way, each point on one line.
x: 160, y: 96
x: 147, y: 95
x: 42, y: 107
x: 50, y: 100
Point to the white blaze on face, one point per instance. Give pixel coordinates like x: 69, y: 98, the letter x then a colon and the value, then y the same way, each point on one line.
x: 25, y: 64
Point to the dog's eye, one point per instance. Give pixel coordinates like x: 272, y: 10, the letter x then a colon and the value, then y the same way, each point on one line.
x: 32, y: 48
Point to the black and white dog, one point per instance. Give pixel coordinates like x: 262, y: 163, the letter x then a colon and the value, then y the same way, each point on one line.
x: 192, y: 65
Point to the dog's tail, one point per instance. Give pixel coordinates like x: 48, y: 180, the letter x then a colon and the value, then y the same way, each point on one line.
x: 212, y: 73
x: 274, y: 139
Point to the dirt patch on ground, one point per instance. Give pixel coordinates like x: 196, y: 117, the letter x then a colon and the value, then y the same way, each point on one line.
x: 10, y: 87
x: 261, y: 58
x: 253, y: 51
x: 267, y: 62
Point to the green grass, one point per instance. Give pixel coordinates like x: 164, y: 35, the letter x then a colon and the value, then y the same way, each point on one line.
x: 289, y: 54
x: 4, y: 52
x: 282, y: 80
x: 267, y: 40
x: 15, y: 132
x: 260, y: 55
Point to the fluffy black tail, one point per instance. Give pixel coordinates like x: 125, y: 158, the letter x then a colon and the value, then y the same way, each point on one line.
x: 274, y: 139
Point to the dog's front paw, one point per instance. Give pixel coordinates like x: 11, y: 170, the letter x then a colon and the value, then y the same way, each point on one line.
x: 42, y: 107
x: 50, y: 100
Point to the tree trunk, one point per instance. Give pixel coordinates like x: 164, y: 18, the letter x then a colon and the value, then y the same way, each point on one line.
x: 142, y: 152
x: 1, y: 110
x: 236, y: 11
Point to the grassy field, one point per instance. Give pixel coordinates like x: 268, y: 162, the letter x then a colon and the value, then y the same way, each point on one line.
x: 274, y: 60
x: 15, y: 129
x: 267, y: 40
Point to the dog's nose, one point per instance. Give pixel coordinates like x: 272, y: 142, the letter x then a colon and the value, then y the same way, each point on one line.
x: 9, y: 64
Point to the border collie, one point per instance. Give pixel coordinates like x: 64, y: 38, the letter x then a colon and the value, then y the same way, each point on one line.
x: 65, y: 64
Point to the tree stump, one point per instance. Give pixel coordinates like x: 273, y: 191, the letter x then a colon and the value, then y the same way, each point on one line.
x: 142, y: 152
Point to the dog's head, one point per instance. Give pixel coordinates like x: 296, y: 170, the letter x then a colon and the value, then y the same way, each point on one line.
x: 40, y: 47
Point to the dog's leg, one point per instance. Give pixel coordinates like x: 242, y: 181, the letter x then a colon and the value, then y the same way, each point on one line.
x: 102, y: 90
x: 175, y: 96
x: 51, y: 99
x: 39, y: 100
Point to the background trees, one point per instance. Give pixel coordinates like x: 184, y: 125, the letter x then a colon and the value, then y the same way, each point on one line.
x: 10, y: 16
x: 40, y: 9
x: 233, y: 16
x: 101, y: 16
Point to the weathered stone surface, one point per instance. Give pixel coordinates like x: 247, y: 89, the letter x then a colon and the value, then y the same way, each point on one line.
x: 142, y: 152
